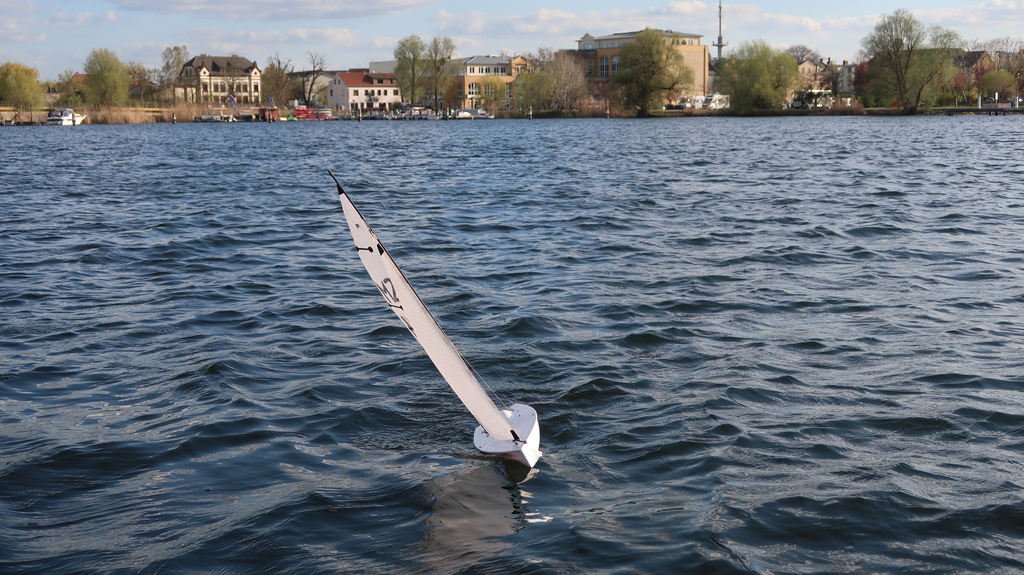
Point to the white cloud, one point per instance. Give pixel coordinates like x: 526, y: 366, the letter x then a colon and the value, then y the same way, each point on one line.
x: 690, y: 8
x: 993, y: 13
x: 274, y: 9
x: 19, y: 32
x: 67, y: 21
x: 794, y: 22
x: 384, y: 42
x: 11, y: 8
x: 261, y: 38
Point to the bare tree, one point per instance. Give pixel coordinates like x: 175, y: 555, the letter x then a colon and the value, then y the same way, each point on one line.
x: 317, y: 65
x: 440, y: 68
x: 541, y: 58
x: 278, y: 82
x: 802, y: 53
x: 570, y: 81
x: 174, y: 58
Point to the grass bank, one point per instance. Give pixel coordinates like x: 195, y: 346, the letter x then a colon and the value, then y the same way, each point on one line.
x: 181, y: 112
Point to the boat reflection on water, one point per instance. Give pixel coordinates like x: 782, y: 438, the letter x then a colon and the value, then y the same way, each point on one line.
x: 476, y: 512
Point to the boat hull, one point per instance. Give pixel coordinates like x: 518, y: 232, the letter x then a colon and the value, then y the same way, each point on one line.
x: 64, y: 117
x: 523, y: 420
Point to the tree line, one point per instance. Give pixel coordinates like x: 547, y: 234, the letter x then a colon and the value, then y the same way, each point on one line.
x: 649, y: 71
x: 903, y: 64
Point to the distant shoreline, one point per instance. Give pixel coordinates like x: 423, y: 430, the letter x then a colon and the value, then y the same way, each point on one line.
x: 188, y: 113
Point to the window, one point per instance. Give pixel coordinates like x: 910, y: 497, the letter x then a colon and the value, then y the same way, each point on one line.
x: 604, y: 66
x: 474, y: 89
x: 255, y: 87
x: 355, y: 92
x: 615, y: 64
x: 395, y: 92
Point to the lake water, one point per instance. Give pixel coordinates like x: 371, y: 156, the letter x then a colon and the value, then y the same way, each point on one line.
x: 756, y: 346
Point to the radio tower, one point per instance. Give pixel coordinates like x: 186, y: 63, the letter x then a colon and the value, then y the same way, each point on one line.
x: 721, y: 43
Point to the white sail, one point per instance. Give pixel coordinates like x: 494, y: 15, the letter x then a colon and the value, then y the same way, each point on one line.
x: 514, y: 432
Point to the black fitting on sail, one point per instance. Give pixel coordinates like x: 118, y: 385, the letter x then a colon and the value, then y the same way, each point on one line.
x: 340, y: 190
x: 515, y: 436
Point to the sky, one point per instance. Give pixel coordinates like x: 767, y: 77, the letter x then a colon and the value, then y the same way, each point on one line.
x: 57, y: 35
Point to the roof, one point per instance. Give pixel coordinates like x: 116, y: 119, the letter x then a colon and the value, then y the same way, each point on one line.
x: 969, y: 59
x: 218, y: 65
x: 486, y: 60
x: 630, y: 35
x: 361, y: 78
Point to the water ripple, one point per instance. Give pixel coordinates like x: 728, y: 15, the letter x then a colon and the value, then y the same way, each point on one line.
x: 788, y: 345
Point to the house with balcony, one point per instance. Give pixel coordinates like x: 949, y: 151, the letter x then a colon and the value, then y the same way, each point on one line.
x: 218, y: 79
x: 600, y: 57
x: 486, y: 81
x: 359, y: 90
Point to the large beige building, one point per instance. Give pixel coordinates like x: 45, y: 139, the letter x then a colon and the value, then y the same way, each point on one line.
x: 486, y: 79
x: 600, y: 57
x: 207, y: 78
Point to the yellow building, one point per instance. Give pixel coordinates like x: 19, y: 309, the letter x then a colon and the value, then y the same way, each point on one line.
x: 486, y: 81
x: 600, y: 57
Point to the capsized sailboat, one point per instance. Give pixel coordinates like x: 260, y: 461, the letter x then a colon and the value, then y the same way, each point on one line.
x: 513, y: 433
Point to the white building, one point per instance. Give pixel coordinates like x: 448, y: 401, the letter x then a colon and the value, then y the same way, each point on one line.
x: 360, y: 89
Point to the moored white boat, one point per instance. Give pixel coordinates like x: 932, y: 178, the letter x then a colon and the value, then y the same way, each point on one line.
x: 215, y: 118
x: 64, y: 117
x: 473, y: 114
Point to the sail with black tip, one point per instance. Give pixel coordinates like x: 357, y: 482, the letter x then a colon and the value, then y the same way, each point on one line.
x: 514, y: 432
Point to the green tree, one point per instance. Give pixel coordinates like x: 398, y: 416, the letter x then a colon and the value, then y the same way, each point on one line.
x: 998, y: 82
x: 106, y: 80
x: 20, y: 87
x: 142, y: 77
x: 758, y: 77
x: 70, y: 90
x: 440, y: 68
x: 493, y: 93
x: 536, y: 89
x: 411, y: 67
x: 912, y: 60
x: 649, y: 70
